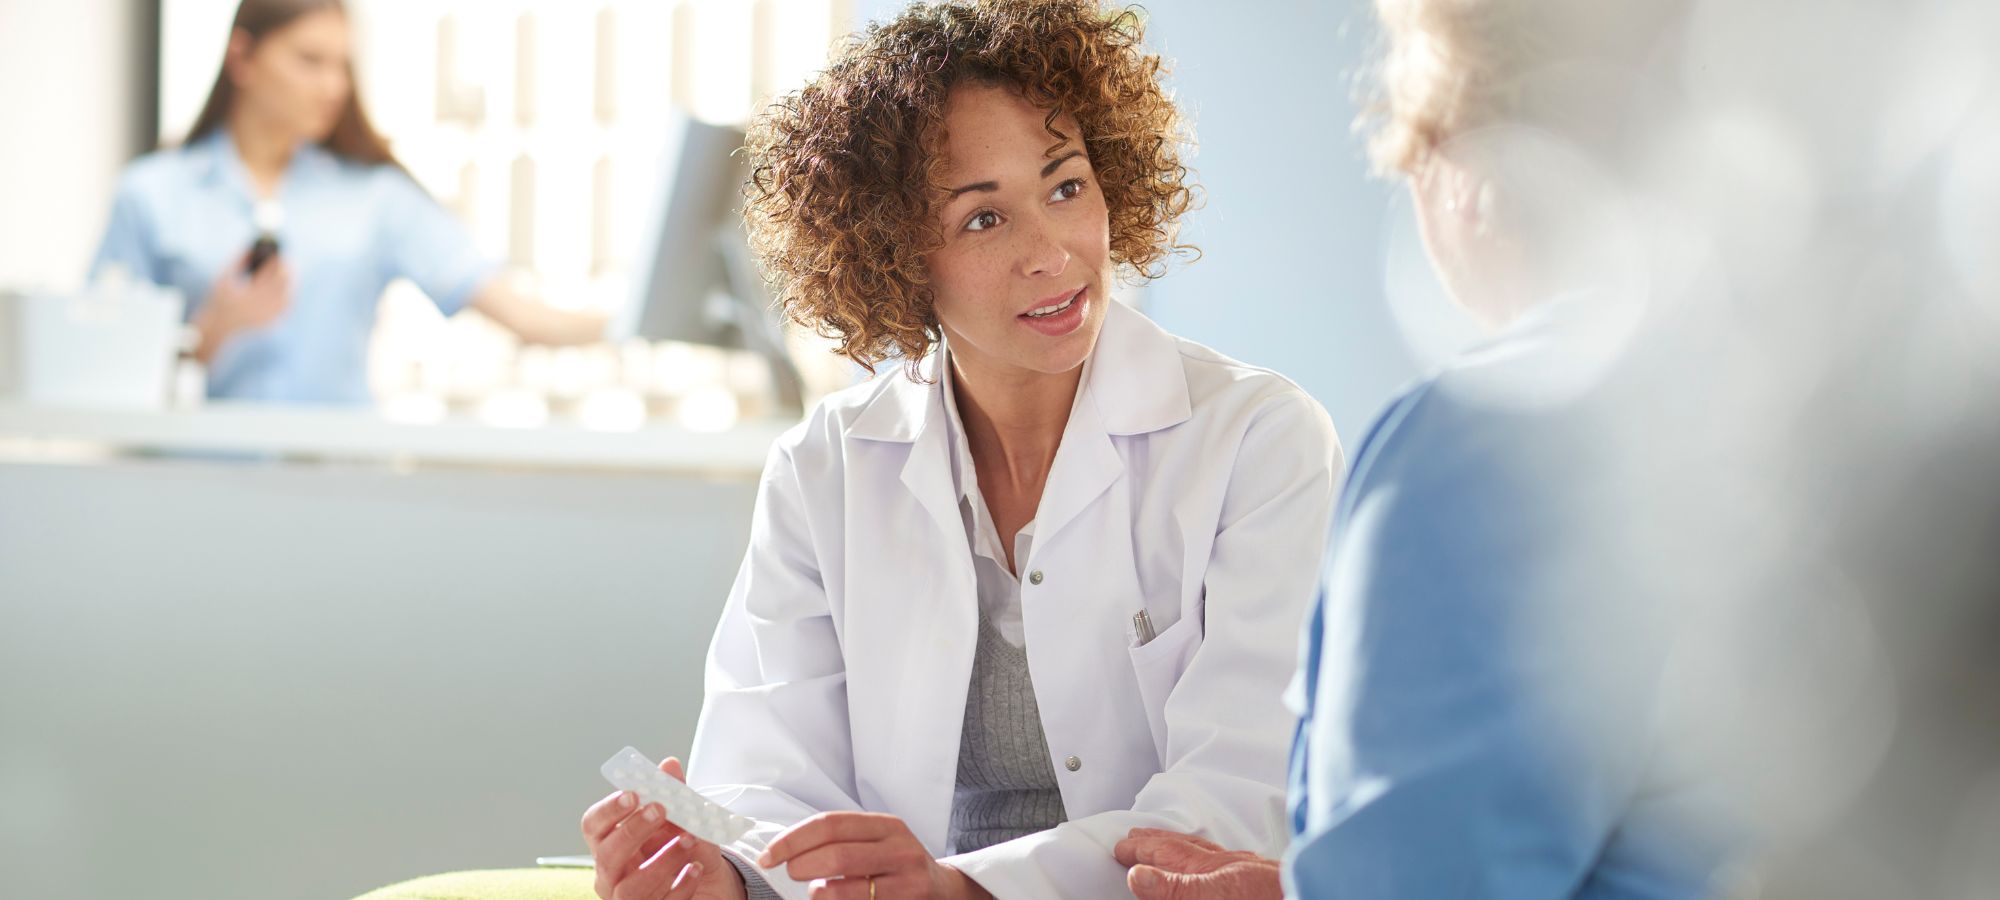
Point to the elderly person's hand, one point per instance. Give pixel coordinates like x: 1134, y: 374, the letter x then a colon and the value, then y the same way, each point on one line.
x: 1168, y: 865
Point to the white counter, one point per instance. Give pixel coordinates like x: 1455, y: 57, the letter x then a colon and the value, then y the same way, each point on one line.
x: 29, y: 433
x: 421, y: 666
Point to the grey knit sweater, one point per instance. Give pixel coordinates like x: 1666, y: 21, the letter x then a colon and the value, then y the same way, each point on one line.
x: 1006, y: 783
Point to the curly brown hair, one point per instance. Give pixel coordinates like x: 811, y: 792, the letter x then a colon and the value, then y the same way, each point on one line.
x: 845, y: 193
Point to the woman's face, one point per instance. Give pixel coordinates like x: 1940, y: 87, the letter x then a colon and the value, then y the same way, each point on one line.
x: 1020, y: 282
x: 296, y: 77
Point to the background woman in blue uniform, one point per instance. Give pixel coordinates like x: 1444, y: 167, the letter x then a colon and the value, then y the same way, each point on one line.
x: 283, y: 125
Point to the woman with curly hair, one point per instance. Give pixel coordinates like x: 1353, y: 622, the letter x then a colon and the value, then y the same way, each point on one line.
x: 1039, y: 582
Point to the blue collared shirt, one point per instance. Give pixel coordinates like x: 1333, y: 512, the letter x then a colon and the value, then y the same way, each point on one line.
x: 1478, y: 677
x: 185, y: 215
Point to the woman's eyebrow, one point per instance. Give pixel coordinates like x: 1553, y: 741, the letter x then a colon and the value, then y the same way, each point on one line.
x: 1056, y: 163
x: 987, y: 186
x: 991, y: 186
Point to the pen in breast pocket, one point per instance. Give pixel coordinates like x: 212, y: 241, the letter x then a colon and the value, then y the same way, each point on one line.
x: 1142, y: 624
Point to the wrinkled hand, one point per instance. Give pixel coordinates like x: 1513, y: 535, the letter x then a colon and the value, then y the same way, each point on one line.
x: 639, y: 855
x: 863, y: 856
x: 1168, y: 865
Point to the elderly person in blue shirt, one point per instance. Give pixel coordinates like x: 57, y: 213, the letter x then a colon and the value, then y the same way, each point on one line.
x: 283, y: 127
x: 1481, y: 683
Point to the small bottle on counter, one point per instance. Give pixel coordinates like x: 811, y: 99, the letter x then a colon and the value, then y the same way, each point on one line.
x: 269, y: 218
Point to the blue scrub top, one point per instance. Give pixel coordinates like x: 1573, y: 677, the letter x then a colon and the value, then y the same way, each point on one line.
x: 185, y: 215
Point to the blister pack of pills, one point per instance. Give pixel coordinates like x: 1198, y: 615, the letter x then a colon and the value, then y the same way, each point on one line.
x: 630, y: 770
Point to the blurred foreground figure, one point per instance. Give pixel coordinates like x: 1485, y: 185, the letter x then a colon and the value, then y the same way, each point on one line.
x: 1684, y: 584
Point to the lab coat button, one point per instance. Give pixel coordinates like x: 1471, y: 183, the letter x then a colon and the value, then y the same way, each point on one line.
x: 1072, y: 764
x: 1035, y: 577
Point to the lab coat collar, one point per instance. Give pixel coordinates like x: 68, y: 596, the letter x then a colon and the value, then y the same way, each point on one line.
x: 1133, y: 383
x: 1137, y: 379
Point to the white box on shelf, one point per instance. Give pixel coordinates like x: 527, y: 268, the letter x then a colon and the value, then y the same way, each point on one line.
x: 112, y: 345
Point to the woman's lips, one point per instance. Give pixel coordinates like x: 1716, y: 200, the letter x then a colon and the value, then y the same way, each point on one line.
x: 1063, y: 322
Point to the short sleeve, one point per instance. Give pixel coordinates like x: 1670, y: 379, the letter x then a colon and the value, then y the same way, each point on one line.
x: 129, y: 239
x: 424, y: 243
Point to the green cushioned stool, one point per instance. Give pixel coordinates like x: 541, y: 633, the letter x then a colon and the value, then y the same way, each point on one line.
x: 497, y: 884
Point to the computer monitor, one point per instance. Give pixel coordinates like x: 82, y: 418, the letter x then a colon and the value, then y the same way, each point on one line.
x: 697, y: 281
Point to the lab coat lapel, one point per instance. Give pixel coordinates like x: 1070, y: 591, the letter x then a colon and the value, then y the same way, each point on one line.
x: 1085, y: 465
x: 913, y: 607
x: 1133, y: 383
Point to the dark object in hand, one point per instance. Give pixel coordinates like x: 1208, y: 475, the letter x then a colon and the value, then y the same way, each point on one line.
x: 261, y: 252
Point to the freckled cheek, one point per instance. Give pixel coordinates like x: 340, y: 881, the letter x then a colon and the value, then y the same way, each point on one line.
x: 970, y: 285
x: 1091, y: 235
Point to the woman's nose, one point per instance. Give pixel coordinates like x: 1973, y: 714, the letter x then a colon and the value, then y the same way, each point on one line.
x: 1045, y: 254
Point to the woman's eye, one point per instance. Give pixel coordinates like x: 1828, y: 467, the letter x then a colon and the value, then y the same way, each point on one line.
x: 1068, y: 190
x: 983, y: 221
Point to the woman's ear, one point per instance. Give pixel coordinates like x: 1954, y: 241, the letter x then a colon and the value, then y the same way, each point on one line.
x: 1477, y: 262
x: 1446, y: 204
x: 1455, y: 196
x: 236, y: 57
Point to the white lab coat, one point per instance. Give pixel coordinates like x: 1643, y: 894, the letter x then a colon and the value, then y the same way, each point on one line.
x: 1187, y: 484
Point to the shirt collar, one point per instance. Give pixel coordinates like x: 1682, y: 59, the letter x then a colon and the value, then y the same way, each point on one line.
x: 221, y: 164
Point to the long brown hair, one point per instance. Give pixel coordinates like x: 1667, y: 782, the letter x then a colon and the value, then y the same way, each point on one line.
x: 353, y: 136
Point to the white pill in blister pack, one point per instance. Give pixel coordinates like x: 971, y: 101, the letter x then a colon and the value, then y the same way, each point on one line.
x: 630, y: 770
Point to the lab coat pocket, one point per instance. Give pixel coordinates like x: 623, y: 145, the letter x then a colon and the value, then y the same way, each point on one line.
x: 1158, y: 665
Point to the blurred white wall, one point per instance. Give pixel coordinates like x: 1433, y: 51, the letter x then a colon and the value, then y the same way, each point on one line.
x: 193, y: 36
x: 75, y: 110
x: 1294, y: 228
